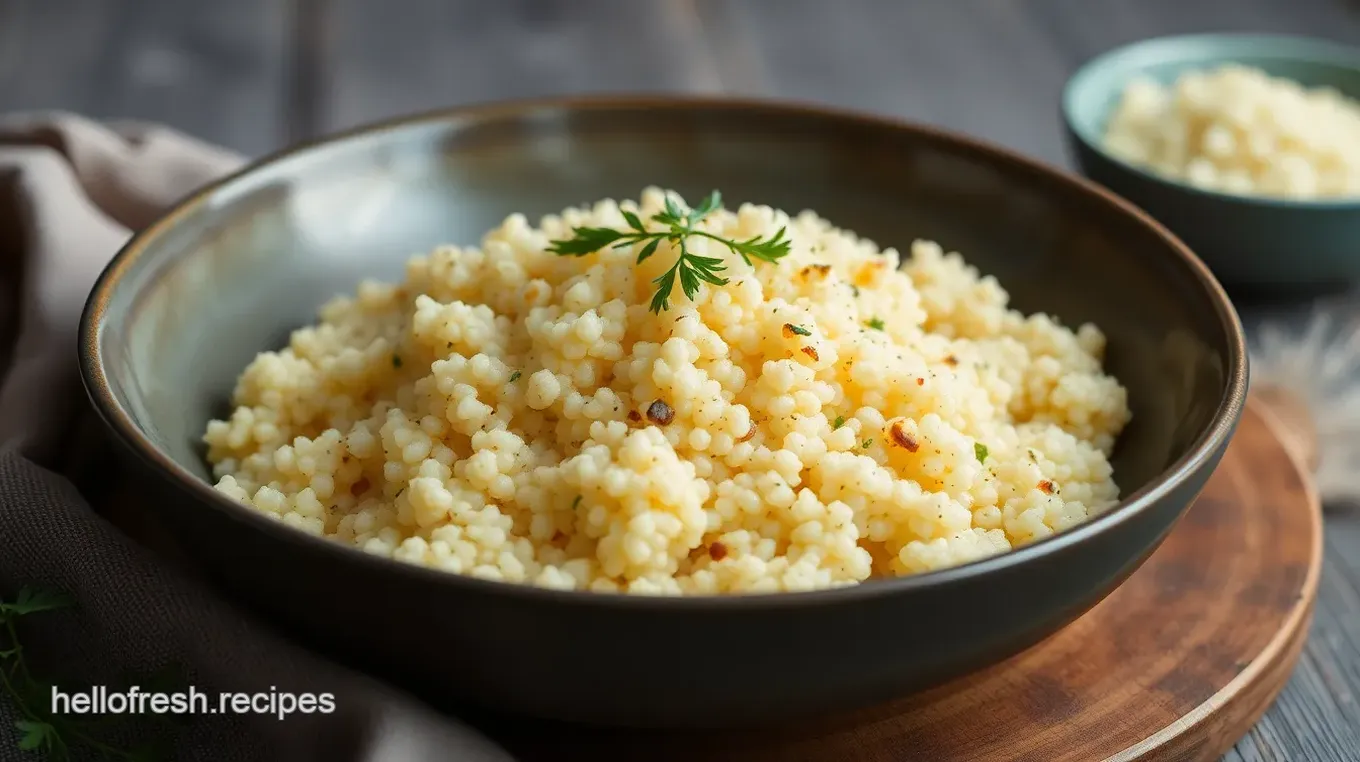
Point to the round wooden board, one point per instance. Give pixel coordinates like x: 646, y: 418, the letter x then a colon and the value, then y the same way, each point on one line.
x: 1176, y: 664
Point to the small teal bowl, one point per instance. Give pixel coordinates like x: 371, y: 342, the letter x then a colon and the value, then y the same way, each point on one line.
x: 1255, y: 246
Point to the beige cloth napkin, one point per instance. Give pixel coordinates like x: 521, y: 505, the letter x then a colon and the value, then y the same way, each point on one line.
x: 70, y: 191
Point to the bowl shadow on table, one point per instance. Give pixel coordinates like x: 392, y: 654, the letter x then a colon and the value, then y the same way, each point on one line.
x: 1266, y: 252
x: 316, y: 223
x: 537, y: 740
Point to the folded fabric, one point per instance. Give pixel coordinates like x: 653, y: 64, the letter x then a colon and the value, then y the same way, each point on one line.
x: 70, y: 192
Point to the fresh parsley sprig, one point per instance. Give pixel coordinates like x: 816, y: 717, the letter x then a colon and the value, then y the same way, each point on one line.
x: 678, y: 226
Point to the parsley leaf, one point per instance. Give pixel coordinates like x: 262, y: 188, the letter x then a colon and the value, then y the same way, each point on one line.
x: 691, y: 270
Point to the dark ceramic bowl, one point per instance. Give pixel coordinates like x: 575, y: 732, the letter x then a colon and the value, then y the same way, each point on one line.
x: 190, y: 300
x: 1256, y: 246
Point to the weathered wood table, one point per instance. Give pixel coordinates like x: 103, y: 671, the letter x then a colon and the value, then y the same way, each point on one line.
x: 256, y: 74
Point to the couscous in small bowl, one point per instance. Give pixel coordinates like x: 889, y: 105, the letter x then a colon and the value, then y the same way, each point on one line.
x: 233, y: 270
x: 1278, y: 239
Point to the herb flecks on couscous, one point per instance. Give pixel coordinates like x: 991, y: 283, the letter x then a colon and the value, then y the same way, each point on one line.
x: 546, y: 425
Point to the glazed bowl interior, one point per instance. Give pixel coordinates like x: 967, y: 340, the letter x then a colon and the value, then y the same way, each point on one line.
x: 191, y: 300
x: 233, y: 273
x: 1254, y: 244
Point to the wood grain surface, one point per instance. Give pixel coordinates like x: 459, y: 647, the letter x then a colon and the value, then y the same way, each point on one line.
x: 255, y: 74
x: 1175, y: 665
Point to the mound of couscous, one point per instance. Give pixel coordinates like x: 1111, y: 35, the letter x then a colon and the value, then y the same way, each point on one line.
x: 514, y: 414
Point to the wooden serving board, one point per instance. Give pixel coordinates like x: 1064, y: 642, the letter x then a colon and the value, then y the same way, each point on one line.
x: 1177, y: 664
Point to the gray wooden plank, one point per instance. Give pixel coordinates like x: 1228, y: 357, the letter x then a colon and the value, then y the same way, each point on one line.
x: 211, y: 69
x: 412, y: 55
x: 976, y: 65
x: 1335, y: 641
x: 1083, y: 29
x: 1315, y: 717
x: 992, y: 68
x: 308, y: 57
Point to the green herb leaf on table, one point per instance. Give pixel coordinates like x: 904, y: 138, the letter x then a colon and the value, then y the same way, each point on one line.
x: 30, y: 601
x: 692, y: 270
x: 34, y: 735
x: 40, y: 730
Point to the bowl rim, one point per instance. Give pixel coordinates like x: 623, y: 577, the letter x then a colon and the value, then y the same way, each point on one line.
x: 121, y: 423
x: 1145, y: 53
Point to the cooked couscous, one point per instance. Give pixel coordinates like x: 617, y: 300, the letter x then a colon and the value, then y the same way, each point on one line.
x: 1239, y: 130
x: 820, y: 418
